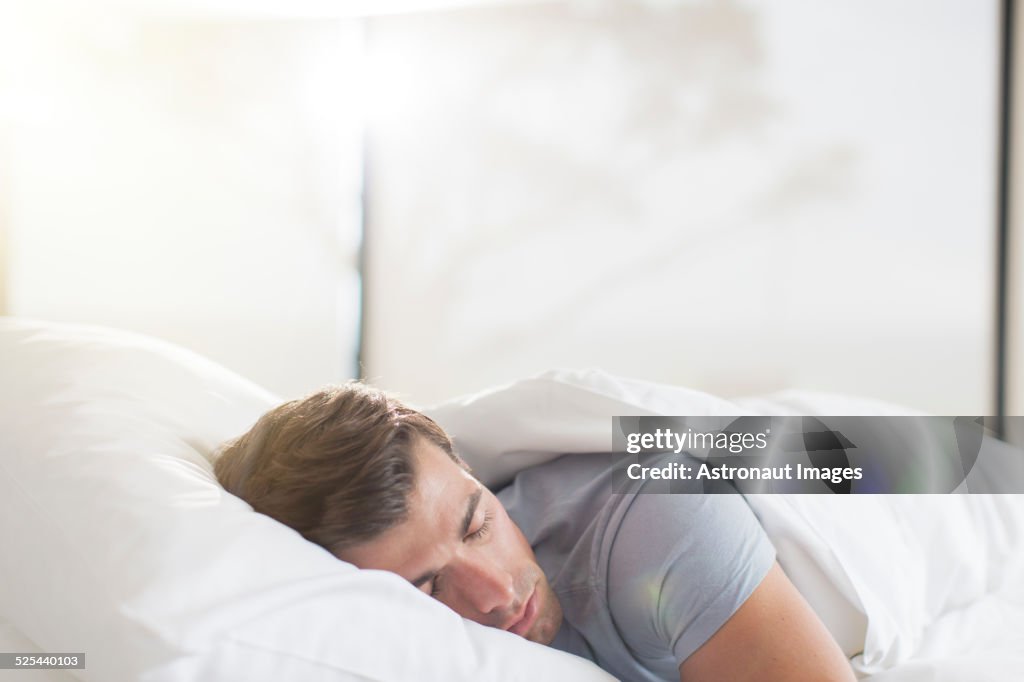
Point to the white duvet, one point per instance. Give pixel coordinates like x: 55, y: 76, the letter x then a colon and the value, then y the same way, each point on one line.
x: 914, y: 587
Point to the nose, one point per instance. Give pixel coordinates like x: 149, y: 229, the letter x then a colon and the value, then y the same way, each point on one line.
x: 487, y: 586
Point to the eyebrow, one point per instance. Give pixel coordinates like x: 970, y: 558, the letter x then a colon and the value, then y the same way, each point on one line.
x: 471, y: 504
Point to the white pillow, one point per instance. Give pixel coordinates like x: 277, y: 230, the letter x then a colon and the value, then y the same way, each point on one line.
x: 12, y: 640
x: 118, y: 542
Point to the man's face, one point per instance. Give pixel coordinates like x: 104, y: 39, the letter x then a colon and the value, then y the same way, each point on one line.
x: 460, y: 546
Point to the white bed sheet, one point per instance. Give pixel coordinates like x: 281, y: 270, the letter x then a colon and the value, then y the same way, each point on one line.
x: 983, y: 642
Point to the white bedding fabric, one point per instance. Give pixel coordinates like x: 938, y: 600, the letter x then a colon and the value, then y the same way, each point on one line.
x: 118, y: 542
x: 13, y: 640
x: 914, y: 587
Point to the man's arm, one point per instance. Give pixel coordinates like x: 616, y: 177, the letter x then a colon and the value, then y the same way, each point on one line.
x: 773, y: 637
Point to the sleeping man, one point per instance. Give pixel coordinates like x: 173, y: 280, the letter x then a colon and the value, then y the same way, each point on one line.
x: 649, y: 587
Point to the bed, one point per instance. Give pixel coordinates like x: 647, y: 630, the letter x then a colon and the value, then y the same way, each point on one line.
x: 119, y: 543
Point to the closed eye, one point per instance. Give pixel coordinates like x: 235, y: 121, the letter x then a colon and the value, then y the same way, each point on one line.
x: 484, y: 528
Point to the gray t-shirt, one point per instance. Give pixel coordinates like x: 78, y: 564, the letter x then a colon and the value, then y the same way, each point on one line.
x: 643, y: 579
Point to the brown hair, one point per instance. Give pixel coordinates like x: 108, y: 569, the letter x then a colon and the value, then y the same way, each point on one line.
x: 336, y: 466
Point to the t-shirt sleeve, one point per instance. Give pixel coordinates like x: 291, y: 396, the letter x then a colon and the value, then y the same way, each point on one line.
x: 679, y: 567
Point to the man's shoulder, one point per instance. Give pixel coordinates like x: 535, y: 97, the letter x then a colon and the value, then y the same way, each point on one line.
x: 644, y: 577
x: 575, y: 491
x: 569, y: 485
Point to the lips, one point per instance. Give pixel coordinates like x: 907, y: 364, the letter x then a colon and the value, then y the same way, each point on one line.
x: 523, y: 625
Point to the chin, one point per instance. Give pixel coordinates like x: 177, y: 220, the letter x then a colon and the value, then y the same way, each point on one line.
x: 544, y: 634
x: 550, y: 620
